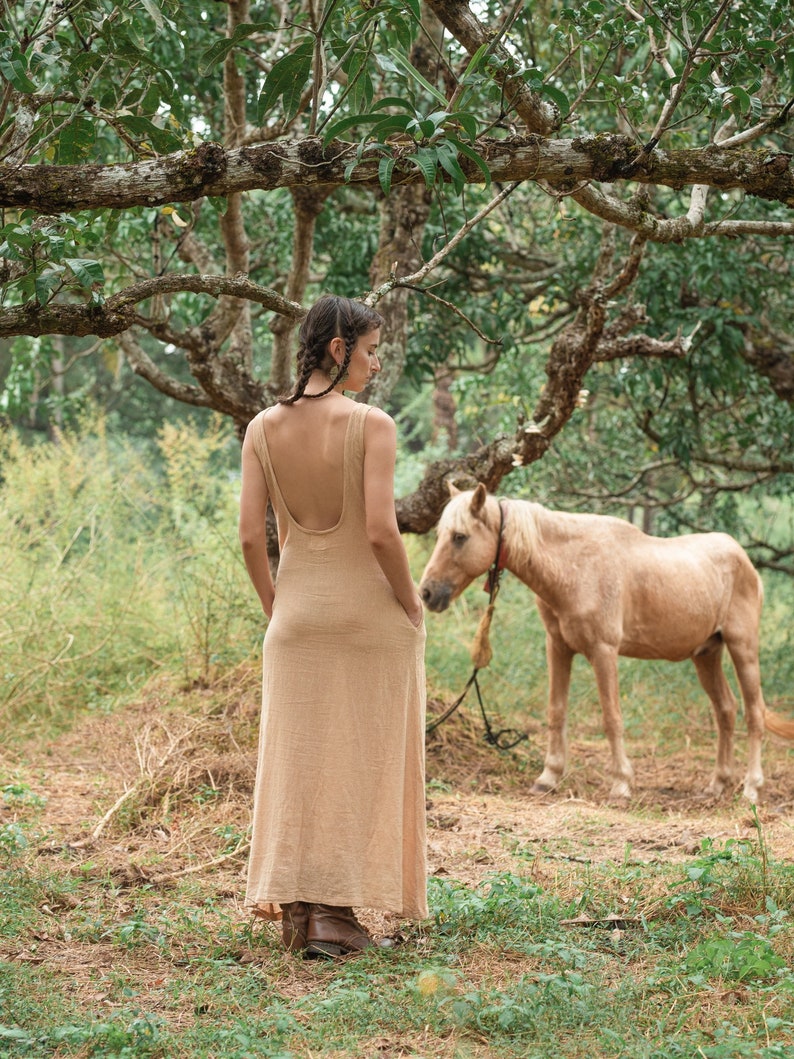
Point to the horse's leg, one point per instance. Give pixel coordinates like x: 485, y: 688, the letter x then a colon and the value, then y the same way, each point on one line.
x: 744, y: 654
x: 559, y: 658
x: 708, y: 663
x: 604, y: 660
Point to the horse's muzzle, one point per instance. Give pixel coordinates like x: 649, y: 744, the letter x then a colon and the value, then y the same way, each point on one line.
x: 436, y: 595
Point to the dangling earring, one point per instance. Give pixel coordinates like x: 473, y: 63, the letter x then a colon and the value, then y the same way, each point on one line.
x: 333, y: 373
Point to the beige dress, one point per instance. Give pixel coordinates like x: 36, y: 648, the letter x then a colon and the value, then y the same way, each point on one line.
x: 339, y: 802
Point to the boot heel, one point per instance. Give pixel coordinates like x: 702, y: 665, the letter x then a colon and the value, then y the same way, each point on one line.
x: 325, y: 950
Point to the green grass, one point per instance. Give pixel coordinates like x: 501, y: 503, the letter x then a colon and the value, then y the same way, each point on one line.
x: 501, y: 966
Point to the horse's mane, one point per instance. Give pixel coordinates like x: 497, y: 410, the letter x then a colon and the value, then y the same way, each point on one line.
x: 522, y: 533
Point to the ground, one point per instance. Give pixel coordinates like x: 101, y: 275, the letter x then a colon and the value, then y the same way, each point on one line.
x: 160, y: 792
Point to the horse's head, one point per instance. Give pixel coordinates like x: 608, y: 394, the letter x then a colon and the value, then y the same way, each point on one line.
x: 466, y: 543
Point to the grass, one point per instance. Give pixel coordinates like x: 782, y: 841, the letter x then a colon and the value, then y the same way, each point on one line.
x: 501, y: 971
x: 563, y: 927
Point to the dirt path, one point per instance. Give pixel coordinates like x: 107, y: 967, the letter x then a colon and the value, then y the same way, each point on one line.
x: 188, y: 775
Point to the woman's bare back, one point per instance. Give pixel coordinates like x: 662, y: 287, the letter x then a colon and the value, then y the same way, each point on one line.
x: 306, y: 443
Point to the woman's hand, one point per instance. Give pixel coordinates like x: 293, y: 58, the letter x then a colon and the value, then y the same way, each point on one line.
x: 415, y: 613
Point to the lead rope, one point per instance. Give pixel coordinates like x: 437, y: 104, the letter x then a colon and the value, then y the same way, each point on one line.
x: 481, y: 654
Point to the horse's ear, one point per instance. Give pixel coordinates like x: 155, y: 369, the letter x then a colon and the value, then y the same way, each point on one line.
x: 453, y: 489
x: 478, y: 499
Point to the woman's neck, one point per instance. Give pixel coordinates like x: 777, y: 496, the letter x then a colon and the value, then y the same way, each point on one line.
x: 319, y: 381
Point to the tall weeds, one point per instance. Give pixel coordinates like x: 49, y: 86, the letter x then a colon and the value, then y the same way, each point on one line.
x: 113, y: 567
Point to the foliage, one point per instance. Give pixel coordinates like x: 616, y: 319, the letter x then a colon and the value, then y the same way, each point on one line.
x: 407, y: 99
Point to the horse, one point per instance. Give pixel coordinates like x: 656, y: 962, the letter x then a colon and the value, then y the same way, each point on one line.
x: 605, y: 589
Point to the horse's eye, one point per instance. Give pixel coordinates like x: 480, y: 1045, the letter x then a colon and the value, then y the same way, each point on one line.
x: 459, y: 538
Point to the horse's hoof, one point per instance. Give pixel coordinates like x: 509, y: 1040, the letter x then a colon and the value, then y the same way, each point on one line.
x: 541, y: 788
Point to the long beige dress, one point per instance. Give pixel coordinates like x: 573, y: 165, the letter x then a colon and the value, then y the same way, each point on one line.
x: 339, y: 802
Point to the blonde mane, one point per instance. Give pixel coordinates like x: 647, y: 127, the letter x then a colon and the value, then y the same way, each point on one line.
x: 522, y: 534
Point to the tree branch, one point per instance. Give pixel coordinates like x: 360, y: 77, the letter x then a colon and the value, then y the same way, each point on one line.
x: 142, y: 364
x: 538, y: 115
x: 118, y: 313
x: 563, y: 164
x: 411, y: 281
x: 635, y: 217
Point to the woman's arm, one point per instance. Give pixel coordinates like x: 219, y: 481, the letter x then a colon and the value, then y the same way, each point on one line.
x: 380, y: 453
x: 253, y: 513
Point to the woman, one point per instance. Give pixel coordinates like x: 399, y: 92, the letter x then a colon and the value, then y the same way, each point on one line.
x: 339, y: 797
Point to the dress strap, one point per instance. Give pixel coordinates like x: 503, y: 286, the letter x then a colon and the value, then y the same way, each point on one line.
x: 262, y: 451
x: 355, y: 451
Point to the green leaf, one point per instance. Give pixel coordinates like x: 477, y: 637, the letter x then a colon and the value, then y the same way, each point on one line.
x: 47, y: 281
x: 426, y: 159
x: 466, y: 121
x: 448, y: 157
x: 470, y: 153
x: 395, y: 101
x: 360, y: 88
x: 338, y: 127
x: 742, y: 101
x: 392, y: 125
x: 286, y: 81
x: 556, y: 96
x: 162, y: 140
x: 15, y: 70
x: 385, y: 169
x: 410, y: 70
x: 218, y: 52
x: 75, y: 141
x: 155, y: 13
x: 475, y: 60
x: 87, y: 272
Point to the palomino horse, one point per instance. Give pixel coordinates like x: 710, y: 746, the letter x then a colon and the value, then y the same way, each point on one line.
x: 604, y: 588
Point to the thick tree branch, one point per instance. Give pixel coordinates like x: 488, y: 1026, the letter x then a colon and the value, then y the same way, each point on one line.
x: 119, y: 311
x: 572, y: 353
x: 636, y: 218
x: 538, y: 114
x: 562, y: 164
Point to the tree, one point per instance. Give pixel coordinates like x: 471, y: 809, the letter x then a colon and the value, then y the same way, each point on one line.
x: 181, y: 178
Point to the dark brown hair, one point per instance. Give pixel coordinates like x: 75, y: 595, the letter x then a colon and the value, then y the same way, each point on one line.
x: 330, y: 317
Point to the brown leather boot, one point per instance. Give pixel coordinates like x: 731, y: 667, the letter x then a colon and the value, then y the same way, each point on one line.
x: 294, y: 925
x: 335, y: 931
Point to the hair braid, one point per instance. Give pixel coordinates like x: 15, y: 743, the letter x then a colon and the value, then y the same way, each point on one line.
x: 330, y: 317
x: 306, y: 366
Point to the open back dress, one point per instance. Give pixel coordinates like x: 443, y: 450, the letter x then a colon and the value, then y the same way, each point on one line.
x: 339, y: 801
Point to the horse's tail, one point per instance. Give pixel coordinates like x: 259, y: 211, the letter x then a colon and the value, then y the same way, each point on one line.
x: 778, y: 725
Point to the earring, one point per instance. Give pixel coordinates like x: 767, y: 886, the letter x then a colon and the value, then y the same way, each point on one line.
x: 333, y: 373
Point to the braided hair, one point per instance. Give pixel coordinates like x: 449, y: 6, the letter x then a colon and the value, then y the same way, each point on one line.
x: 330, y: 317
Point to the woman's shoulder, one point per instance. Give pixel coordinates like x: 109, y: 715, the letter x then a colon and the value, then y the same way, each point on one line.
x: 379, y: 429
x: 377, y: 416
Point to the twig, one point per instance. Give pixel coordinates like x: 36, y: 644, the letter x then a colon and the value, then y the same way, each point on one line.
x: 406, y: 281
x: 200, y: 867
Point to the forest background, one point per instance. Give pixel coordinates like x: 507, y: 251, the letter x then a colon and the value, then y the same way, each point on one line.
x: 577, y: 223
